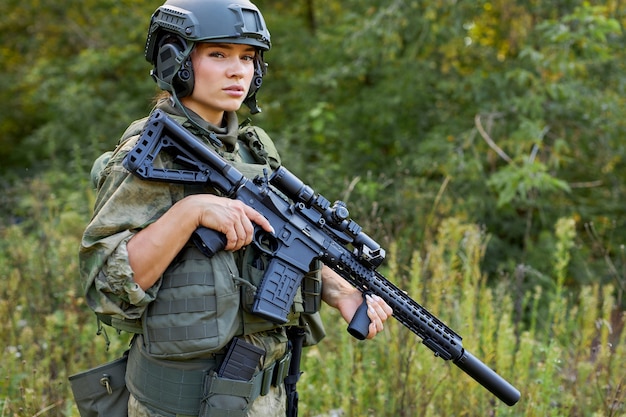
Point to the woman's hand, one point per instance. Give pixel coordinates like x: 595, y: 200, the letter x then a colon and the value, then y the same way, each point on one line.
x: 152, y: 249
x: 338, y: 293
x: 231, y: 217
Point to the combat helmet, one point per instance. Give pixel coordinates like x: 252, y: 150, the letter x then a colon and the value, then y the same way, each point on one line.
x: 178, y: 25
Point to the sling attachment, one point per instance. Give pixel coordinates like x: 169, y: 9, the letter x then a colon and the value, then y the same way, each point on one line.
x: 105, y: 381
x: 296, y: 339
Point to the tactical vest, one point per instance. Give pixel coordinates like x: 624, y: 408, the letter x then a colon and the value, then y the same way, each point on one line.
x: 204, y: 302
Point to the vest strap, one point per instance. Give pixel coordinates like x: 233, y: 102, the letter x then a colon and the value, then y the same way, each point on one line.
x: 186, y: 305
x: 182, y: 333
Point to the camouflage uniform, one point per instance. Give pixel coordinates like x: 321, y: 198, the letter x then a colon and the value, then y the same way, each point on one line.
x: 124, y: 206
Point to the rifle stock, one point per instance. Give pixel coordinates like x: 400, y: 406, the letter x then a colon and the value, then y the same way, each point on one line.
x: 307, y: 227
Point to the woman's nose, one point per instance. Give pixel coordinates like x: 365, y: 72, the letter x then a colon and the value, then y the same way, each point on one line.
x: 236, y: 68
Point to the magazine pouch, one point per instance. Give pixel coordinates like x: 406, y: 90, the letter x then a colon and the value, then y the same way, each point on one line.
x: 230, y: 391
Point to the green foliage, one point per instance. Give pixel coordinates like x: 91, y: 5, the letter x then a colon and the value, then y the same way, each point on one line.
x: 47, y: 333
x: 519, y: 185
x: 566, y: 366
x: 506, y: 114
x: 70, y: 72
x: 496, y: 112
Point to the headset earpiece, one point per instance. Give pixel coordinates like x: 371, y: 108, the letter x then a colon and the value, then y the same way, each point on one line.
x: 184, y: 81
x: 178, y: 77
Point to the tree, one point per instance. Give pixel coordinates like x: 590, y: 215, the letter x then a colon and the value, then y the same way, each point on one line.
x: 71, y: 71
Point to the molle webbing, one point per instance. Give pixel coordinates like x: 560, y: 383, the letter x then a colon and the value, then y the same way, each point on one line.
x: 185, y: 305
x: 197, y: 310
x: 188, y: 304
x: 172, y: 386
x: 177, y: 388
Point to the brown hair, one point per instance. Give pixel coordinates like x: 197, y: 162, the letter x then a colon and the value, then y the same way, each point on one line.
x: 161, y: 95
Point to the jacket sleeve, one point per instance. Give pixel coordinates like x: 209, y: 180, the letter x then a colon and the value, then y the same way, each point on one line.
x: 124, y: 205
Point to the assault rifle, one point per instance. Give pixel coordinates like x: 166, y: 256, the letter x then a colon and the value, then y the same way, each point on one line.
x: 307, y: 227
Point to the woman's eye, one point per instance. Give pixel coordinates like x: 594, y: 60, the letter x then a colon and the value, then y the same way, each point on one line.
x: 216, y: 54
x: 248, y: 57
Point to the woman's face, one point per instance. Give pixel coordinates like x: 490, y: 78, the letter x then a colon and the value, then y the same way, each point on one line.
x: 222, y: 75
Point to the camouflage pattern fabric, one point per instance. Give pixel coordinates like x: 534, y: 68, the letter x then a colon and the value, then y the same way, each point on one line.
x: 125, y: 205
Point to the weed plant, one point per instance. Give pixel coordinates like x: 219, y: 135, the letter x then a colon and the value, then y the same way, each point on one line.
x: 564, y: 350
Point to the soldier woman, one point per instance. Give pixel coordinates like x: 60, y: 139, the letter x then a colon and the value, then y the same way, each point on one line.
x: 140, y: 269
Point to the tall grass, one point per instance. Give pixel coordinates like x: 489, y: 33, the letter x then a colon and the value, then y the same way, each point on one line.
x: 46, y: 331
x: 566, y: 362
x: 565, y: 351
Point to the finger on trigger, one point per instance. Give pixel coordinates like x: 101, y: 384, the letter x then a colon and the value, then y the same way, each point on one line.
x: 259, y: 219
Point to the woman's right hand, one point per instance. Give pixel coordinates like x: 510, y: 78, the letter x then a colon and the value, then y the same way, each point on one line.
x: 152, y: 249
x: 230, y: 217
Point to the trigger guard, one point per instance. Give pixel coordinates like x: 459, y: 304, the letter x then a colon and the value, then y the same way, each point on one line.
x: 265, y: 242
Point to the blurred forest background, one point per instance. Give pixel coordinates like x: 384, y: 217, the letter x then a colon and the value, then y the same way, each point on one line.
x: 438, y: 122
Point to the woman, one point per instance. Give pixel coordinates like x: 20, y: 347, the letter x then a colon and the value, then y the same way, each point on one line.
x: 139, y: 267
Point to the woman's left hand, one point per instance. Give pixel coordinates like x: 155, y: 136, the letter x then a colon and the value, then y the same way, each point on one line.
x: 338, y: 293
x: 378, y: 312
